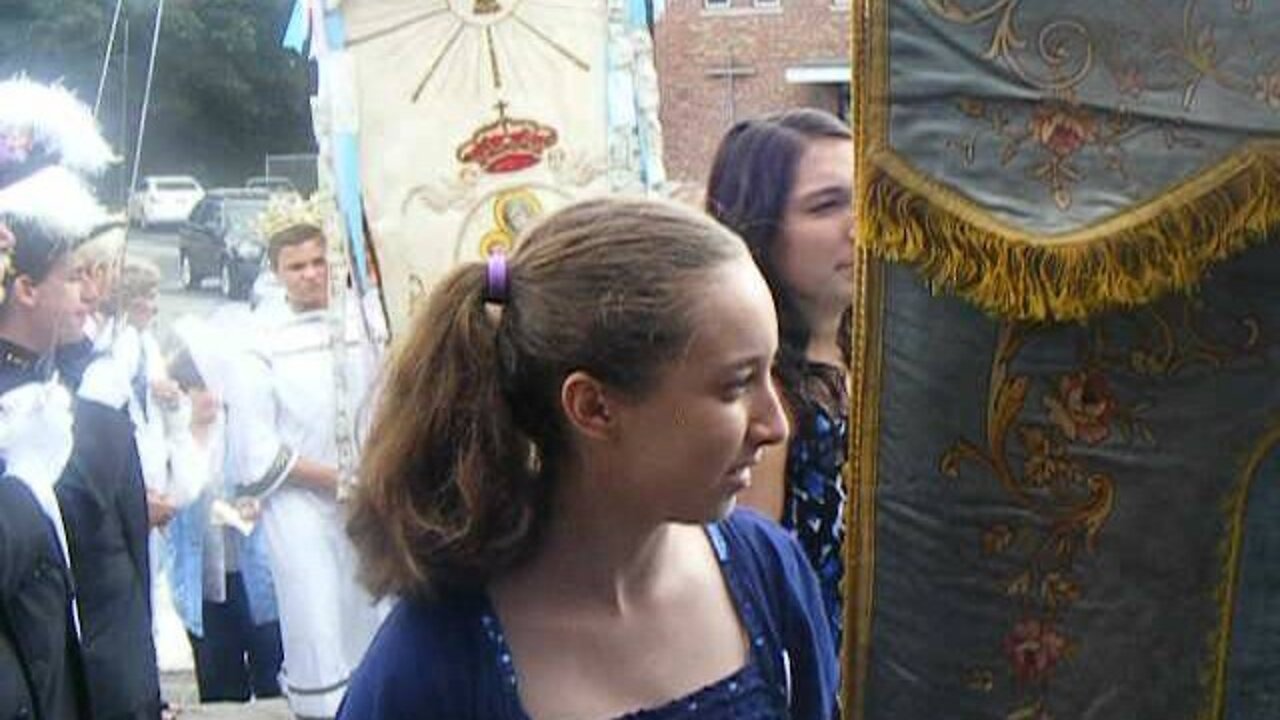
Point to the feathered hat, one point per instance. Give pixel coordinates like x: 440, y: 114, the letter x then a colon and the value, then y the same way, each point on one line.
x: 49, y: 144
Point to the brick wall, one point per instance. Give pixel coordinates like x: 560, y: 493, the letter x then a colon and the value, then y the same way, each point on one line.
x: 693, y: 47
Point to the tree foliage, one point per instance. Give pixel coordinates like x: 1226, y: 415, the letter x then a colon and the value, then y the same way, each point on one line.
x: 224, y: 95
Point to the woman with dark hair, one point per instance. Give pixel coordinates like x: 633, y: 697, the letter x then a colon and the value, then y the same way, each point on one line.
x: 784, y: 183
x: 550, y: 482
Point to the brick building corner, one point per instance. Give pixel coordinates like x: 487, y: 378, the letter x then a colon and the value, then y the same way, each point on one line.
x: 720, y: 61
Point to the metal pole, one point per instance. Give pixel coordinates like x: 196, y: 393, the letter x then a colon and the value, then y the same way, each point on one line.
x: 125, y: 187
x: 106, y: 57
x: 146, y: 94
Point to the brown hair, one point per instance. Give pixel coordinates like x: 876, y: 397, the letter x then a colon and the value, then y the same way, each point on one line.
x: 290, y: 236
x: 751, y: 181
x: 460, y: 465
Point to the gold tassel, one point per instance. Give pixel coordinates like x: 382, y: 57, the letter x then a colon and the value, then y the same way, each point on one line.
x: 1015, y: 278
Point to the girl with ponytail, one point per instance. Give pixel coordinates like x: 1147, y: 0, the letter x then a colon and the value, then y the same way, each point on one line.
x: 550, y: 483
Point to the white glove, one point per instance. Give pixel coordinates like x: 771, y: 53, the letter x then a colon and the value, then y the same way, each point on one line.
x: 105, y: 382
x: 35, y: 432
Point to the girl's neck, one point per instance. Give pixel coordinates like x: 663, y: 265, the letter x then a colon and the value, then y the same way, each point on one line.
x: 597, y: 552
x: 824, y: 341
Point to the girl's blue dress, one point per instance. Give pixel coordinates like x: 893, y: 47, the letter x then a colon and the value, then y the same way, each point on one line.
x: 448, y: 658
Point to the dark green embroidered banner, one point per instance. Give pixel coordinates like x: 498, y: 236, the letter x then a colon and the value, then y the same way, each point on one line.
x: 1066, y: 476
x: 1048, y: 160
x: 1069, y: 521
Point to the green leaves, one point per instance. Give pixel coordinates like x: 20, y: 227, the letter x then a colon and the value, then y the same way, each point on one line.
x: 225, y: 93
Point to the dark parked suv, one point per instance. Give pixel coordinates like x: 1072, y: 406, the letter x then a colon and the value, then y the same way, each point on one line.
x: 222, y: 239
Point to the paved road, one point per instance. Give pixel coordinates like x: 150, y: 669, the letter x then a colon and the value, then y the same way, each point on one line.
x: 179, y: 689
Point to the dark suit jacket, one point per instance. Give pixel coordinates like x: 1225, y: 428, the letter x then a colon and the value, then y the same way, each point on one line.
x: 103, y: 502
x: 40, y: 674
x: 39, y: 664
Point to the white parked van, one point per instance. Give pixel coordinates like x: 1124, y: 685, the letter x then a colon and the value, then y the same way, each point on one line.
x: 164, y: 199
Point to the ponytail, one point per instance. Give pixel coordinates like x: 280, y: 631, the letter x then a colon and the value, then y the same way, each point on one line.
x: 448, y: 491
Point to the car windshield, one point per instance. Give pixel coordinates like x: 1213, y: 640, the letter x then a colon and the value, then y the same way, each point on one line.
x: 242, y: 215
x: 176, y: 185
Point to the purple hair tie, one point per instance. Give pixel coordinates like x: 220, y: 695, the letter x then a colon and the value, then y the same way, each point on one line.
x: 496, y: 289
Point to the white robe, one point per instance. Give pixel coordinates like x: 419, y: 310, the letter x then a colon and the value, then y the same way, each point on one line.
x: 125, y: 351
x: 284, y: 407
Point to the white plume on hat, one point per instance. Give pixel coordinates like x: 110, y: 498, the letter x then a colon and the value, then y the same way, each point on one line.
x: 55, y: 199
x: 46, y: 124
x: 55, y: 120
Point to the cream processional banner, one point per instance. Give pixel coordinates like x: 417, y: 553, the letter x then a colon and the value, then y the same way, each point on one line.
x: 477, y: 116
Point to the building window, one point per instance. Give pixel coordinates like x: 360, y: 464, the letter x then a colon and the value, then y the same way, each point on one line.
x: 766, y: 3
x: 717, y: 4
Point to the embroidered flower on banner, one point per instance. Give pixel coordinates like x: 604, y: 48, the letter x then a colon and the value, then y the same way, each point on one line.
x: 1034, y: 648
x: 1063, y: 129
x: 1046, y: 460
x: 1082, y: 407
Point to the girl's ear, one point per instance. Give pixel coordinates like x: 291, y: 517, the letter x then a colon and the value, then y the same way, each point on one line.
x: 585, y: 404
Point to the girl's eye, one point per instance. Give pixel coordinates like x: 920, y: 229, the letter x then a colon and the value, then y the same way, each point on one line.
x: 738, y: 386
x: 830, y: 205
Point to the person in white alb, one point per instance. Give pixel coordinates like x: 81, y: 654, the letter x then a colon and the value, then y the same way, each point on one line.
x: 289, y: 410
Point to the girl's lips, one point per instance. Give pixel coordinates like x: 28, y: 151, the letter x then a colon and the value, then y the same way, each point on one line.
x: 740, y: 479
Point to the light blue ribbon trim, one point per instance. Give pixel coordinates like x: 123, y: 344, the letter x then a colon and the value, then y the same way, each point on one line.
x: 295, y: 33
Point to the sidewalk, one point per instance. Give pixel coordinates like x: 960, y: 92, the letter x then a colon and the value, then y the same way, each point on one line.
x: 179, y: 689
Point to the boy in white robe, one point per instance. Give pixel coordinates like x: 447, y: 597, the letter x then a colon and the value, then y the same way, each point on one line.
x: 284, y: 414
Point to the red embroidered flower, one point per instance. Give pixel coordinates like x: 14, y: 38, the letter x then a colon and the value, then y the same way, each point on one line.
x: 1034, y: 648
x: 1063, y: 129
x: 1082, y: 407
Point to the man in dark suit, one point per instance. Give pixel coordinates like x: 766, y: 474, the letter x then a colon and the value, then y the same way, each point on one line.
x: 104, y: 502
x: 103, y: 499
x: 48, y: 142
x: 40, y: 665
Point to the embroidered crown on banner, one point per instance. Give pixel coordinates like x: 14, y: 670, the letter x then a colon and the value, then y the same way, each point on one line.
x: 507, y: 144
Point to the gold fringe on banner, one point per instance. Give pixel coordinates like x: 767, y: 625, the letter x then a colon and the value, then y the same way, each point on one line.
x: 1125, y: 262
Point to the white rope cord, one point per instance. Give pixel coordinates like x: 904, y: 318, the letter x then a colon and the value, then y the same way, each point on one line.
x: 146, y: 97
x: 106, y: 57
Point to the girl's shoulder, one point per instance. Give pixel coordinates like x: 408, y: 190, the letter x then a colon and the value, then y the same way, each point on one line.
x: 428, y: 653
x: 747, y: 526
x: 752, y: 542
